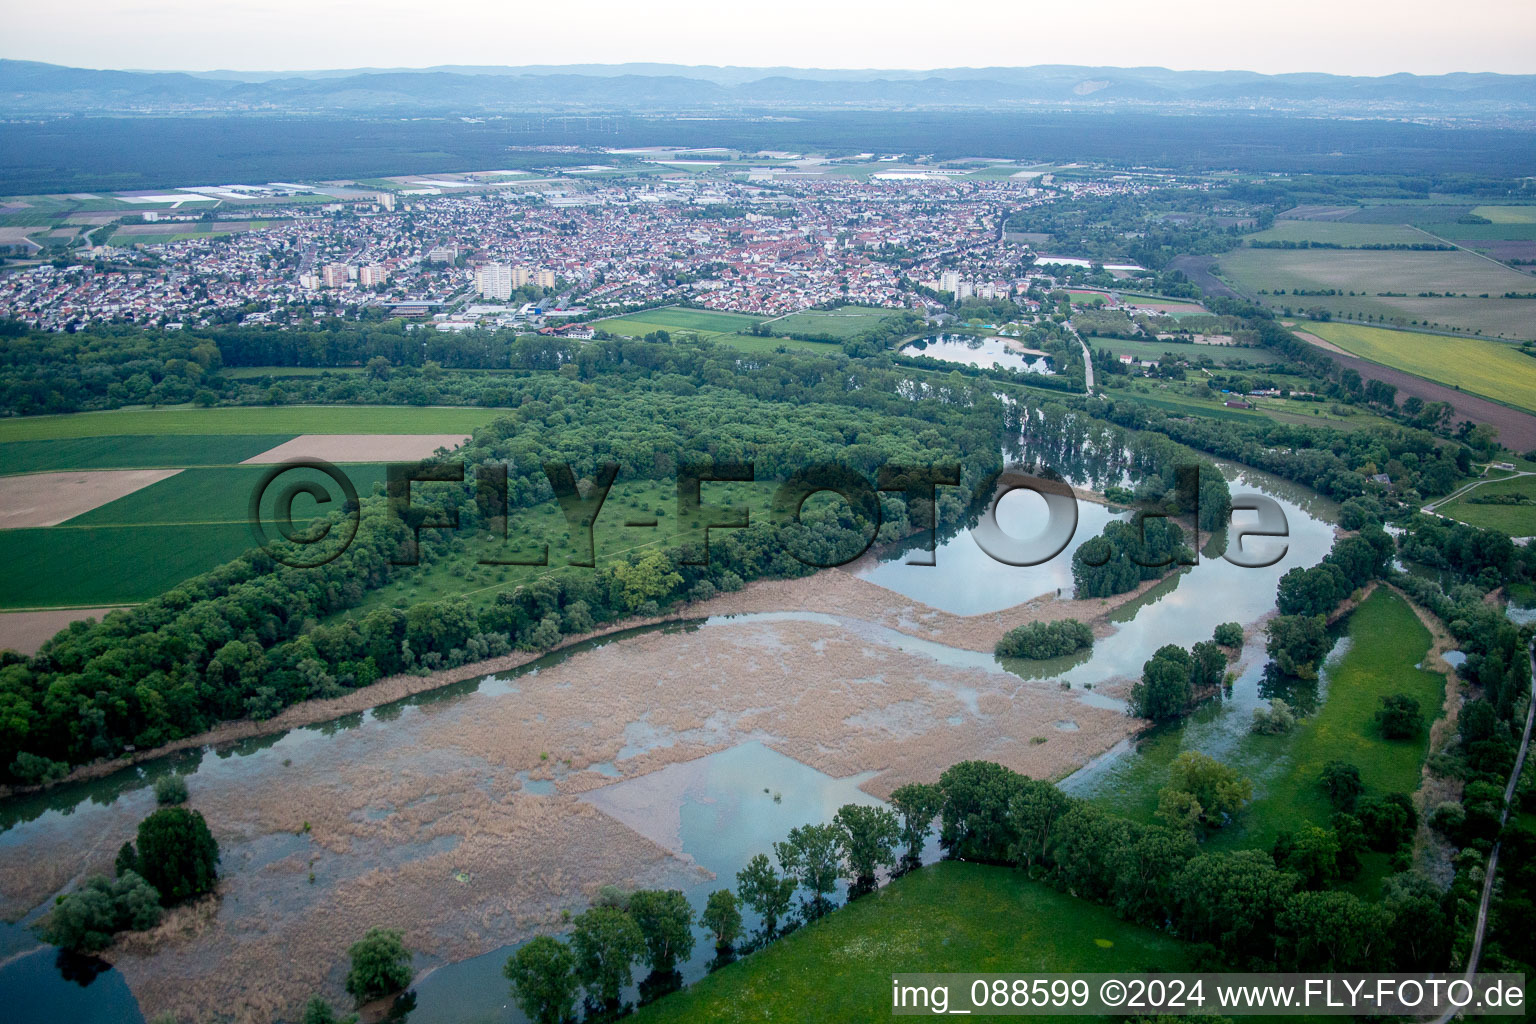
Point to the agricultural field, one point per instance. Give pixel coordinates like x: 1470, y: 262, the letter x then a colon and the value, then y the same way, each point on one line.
x: 1464, y: 276
x: 776, y: 343
x: 704, y: 322
x: 842, y: 323
x: 1515, y: 520
x: 1221, y: 355
x: 263, y: 419
x: 1488, y: 368
x: 1507, y: 214
x: 952, y: 916
x: 141, y: 544
x: 138, y: 545
x: 1341, y: 233
x: 138, y: 451
x: 1386, y: 642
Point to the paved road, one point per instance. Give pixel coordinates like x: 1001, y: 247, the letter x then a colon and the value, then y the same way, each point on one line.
x: 1472, y: 486
x: 1493, y: 858
x: 1087, y: 358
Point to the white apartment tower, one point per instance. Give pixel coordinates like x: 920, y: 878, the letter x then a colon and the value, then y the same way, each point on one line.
x: 494, y: 281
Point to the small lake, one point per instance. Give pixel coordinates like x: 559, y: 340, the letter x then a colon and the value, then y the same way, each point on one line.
x: 973, y: 350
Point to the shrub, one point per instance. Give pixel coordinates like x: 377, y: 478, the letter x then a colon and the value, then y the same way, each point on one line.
x: 1274, y: 720
x: 1399, y: 717
x: 170, y: 790
x: 1229, y: 634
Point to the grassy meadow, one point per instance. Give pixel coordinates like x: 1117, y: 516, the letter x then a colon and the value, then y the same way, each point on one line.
x: 704, y: 322
x: 1515, y: 520
x: 951, y: 916
x: 843, y: 322
x: 1488, y: 368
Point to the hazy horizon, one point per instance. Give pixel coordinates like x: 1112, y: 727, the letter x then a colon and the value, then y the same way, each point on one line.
x: 287, y: 36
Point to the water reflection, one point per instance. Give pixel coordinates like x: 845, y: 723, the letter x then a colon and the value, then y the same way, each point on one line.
x: 973, y: 350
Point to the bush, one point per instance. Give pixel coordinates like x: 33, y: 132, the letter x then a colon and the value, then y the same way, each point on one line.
x: 1229, y: 634
x: 1274, y: 720
x: 380, y: 965
x: 1341, y: 780
x: 1045, y: 640
x: 85, y: 920
x: 170, y: 790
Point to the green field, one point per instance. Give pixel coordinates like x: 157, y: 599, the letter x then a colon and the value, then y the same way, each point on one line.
x: 1515, y: 520
x: 59, y: 568
x: 258, y: 419
x: 1386, y: 643
x: 143, y: 543
x: 1340, y: 233
x: 1408, y: 273
x: 1219, y: 354
x: 842, y: 323
x: 951, y: 916
x: 133, y: 451
x: 1507, y: 214
x: 1488, y: 368
x: 704, y: 322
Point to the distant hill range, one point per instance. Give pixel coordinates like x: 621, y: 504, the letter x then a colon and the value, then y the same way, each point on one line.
x: 28, y: 87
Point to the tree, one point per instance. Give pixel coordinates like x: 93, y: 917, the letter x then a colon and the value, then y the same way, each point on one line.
x: 1413, y: 899
x: 1208, y: 665
x: 1218, y: 789
x: 1297, y: 643
x: 1341, y: 781
x: 1399, y: 717
x: 1035, y: 808
x: 1164, y: 690
x: 1333, y: 931
x: 1179, y: 810
x: 666, y: 925
x: 976, y: 823
x: 1230, y: 900
x: 1312, y: 853
x: 177, y: 854
x: 722, y: 916
x: 606, y: 942
x: 867, y: 838
x: 764, y: 891
x: 646, y: 579
x: 543, y: 977
x: 810, y: 856
x: 380, y: 964
x: 918, y: 803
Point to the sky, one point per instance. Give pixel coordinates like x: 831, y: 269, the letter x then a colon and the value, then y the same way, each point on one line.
x: 1337, y: 36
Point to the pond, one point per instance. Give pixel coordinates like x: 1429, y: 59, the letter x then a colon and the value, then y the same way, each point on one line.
x: 973, y: 350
